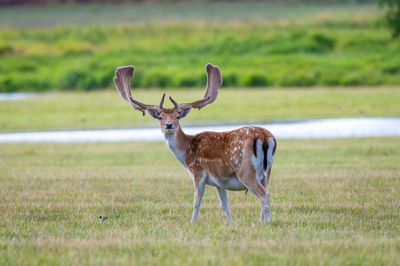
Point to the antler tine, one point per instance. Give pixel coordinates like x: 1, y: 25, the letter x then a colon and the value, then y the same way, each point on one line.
x: 175, y: 103
x: 214, y: 81
x: 122, y: 79
x: 162, y: 101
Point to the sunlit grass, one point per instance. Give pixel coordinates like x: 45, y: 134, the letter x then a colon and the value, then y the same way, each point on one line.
x: 333, y: 202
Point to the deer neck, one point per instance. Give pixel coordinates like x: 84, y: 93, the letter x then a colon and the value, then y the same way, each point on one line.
x: 178, y: 144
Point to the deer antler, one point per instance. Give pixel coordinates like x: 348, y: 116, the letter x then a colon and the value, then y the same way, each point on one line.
x: 214, y: 81
x: 122, y: 78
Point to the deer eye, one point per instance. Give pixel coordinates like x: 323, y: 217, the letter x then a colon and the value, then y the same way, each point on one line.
x: 178, y: 117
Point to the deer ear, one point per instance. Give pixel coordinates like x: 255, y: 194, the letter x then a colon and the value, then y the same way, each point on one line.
x: 154, y: 113
x: 184, y: 112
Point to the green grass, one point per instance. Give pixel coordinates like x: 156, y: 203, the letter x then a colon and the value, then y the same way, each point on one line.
x: 325, y: 48
x: 104, y: 109
x: 333, y: 202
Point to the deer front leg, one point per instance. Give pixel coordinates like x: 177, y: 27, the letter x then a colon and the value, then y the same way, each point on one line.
x: 223, y: 200
x: 199, y: 186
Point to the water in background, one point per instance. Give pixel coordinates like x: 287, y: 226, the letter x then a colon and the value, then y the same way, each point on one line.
x: 318, y: 128
x: 16, y: 96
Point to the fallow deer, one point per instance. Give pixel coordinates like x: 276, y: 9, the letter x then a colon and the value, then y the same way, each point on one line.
x: 240, y: 159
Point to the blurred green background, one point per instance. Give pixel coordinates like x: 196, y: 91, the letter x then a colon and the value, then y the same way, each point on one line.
x: 77, y: 46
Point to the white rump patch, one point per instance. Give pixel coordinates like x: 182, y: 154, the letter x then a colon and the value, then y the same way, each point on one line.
x: 259, y: 160
x: 270, y: 157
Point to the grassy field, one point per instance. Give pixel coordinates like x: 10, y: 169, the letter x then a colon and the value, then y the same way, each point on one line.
x: 104, y: 109
x: 111, y: 14
x: 333, y: 202
x: 312, y: 45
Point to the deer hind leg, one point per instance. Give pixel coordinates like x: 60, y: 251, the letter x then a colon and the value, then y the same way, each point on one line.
x: 251, y: 183
x: 249, y: 176
x: 265, y: 181
x: 199, y: 186
x: 223, y: 200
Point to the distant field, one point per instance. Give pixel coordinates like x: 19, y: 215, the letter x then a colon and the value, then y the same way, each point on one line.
x: 289, y: 45
x: 111, y: 14
x: 333, y: 202
x: 105, y: 109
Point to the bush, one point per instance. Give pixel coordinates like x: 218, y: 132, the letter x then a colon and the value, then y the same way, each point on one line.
x: 392, y: 15
x: 74, y: 79
x: 230, y: 79
x: 254, y: 79
x: 322, y: 42
x: 174, y: 56
x: 5, y: 48
x: 391, y: 68
x: 156, y: 78
x: 187, y: 79
x: 300, y: 77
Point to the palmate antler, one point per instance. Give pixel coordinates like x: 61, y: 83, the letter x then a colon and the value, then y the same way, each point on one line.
x: 124, y: 74
x: 122, y: 78
x: 214, y: 81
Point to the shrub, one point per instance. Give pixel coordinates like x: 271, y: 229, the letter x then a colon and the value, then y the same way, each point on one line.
x: 73, y: 79
x: 71, y: 47
x: 295, y: 55
x: 187, y: 79
x: 323, y: 42
x: 391, y: 68
x: 156, y: 78
x: 300, y: 77
x: 352, y: 79
x: 230, y: 79
x: 254, y: 79
x: 5, y: 48
x: 392, y: 15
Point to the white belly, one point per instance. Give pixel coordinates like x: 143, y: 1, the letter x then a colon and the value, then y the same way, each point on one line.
x: 229, y: 183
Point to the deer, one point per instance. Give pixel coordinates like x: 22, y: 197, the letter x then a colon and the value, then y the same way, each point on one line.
x: 235, y: 160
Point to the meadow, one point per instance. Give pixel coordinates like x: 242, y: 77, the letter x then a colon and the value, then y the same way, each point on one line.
x: 105, y: 108
x: 315, y: 45
x: 334, y: 202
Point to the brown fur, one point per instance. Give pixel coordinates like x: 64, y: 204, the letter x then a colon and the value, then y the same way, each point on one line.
x: 215, y: 152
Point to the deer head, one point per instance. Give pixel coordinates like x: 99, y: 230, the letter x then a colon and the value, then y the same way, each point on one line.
x: 168, y: 117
